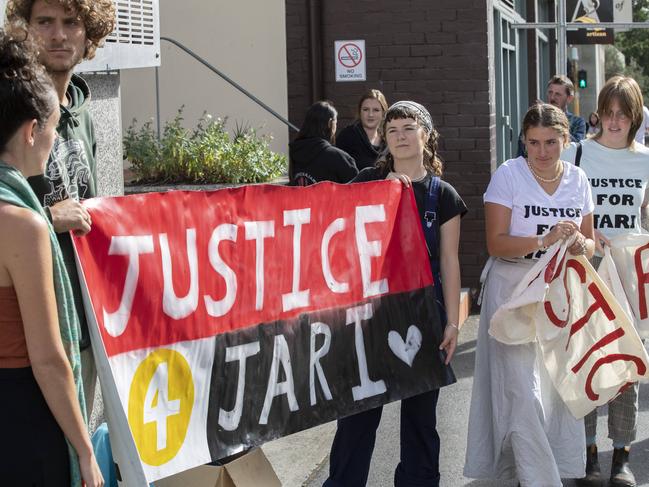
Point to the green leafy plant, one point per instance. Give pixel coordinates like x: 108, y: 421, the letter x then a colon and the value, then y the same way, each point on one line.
x: 206, y: 155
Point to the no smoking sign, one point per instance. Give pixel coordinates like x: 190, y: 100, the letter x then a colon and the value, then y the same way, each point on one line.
x: 349, y: 57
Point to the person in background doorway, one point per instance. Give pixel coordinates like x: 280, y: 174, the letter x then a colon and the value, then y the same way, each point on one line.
x: 593, y: 124
x: 362, y: 139
x: 42, y: 400
x: 67, y: 32
x: 614, y: 155
x: 312, y: 157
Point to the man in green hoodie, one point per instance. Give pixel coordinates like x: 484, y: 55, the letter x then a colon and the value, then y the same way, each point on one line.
x: 67, y: 32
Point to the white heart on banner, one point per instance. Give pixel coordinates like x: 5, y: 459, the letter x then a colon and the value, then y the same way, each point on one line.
x: 405, y: 350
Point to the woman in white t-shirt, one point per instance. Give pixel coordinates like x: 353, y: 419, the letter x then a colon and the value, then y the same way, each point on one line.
x: 519, y: 428
x: 618, y: 170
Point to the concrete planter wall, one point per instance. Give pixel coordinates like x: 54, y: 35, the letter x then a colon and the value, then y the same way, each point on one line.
x: 163, y: 188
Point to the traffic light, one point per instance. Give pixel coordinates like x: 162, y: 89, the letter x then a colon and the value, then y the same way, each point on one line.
x: 582, y: 79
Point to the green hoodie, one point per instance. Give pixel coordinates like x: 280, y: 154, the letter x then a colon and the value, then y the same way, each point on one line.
x: 71, y: 172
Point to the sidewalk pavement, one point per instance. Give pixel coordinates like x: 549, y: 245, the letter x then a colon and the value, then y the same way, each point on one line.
x: 302, y: 459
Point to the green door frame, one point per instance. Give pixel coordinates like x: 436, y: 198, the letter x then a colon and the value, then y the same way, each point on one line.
x: 511, y: 81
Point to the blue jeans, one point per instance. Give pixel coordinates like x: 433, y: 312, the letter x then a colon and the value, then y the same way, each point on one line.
x: 351, y: 452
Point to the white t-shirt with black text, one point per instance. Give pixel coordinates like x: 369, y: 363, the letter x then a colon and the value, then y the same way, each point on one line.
x: 533, y: 210
x: 618, y: 178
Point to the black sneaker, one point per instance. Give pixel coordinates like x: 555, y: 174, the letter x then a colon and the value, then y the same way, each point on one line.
x: 593, y: 476
x: 621, y: 474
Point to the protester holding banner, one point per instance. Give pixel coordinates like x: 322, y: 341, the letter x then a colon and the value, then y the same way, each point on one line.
x: 362, y: 139
x: 411, y: 156
x: 312, y: 155
x: 39, y: 351
x: 519, y: 428
x: 618, y: 169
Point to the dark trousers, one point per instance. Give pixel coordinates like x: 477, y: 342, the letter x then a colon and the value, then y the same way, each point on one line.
x: 33, y: 452
x: 352, y: 448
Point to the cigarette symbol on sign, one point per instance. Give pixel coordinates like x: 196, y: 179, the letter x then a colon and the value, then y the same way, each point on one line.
x: 350, y: 55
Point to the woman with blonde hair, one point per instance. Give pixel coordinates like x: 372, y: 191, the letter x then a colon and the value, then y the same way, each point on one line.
x: 519, y: 428
x: 362, y: 139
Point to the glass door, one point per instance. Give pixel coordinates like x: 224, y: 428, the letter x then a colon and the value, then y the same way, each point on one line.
x: 509, y: 85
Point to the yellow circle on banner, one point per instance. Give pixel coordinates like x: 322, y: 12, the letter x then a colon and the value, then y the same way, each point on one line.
x: 160, y: 405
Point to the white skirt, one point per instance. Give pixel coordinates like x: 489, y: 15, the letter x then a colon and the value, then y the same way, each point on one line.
x: 519, y: 428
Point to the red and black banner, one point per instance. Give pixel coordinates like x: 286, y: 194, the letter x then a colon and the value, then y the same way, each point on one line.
x: 233, y: 317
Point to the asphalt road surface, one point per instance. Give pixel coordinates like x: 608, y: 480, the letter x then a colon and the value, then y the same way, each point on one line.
x: 453, y: 413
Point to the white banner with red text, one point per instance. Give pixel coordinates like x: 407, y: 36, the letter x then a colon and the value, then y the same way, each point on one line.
x: 589, y: 344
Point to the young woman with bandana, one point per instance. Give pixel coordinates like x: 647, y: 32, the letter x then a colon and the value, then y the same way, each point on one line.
x: 411, y: 156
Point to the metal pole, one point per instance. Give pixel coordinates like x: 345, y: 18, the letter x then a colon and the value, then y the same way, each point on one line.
x: 233, y: 83
x: 582, y: 25
x: 157, y: 100
x: 315, y: 49
x: 561, y: 38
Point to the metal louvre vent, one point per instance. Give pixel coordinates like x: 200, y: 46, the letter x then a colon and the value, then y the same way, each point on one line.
x: 509, y: 4
x: 135, y: 22
x: 135, y: 42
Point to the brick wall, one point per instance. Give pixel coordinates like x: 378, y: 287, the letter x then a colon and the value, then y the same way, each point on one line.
x: 431, y: 51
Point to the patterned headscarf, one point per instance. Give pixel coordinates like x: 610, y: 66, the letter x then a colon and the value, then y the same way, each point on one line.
x: 420, y: 110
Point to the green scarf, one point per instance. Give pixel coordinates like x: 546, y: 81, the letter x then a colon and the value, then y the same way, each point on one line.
x: 15, y: 190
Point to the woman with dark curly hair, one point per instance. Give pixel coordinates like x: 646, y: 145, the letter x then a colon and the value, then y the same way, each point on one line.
x: 68, y: 31
x: 411, y: 156
x: 42, y: 396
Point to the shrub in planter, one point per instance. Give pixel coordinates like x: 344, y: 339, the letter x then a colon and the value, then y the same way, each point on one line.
x: 206, y: 155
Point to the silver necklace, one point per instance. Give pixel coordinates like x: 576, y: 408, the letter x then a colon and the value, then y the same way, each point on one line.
x: 542, y: 179
x: 419, y: 179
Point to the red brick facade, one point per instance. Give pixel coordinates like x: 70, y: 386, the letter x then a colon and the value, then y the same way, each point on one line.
x: 435, y: 52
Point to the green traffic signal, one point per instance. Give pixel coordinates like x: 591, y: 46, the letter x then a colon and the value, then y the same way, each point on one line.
x: 582, y: 79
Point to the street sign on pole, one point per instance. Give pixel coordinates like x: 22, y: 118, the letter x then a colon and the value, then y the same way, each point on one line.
x: 590, y: 12
x: 561, y: 27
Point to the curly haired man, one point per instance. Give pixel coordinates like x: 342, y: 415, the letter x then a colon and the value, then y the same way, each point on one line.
x: 67, y: 32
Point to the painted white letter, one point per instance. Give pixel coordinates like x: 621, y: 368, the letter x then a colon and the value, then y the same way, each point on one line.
x: 226, y: 231
x: 336, y: 226
x: 258, y: 231
x: 280, y: 354
x: 115, y: 322
x: 229, y: 420
x: 296, y: 298
x: 368, y: 249
x: 314, y: 360
x: 367, y: 387
x: 173, y: 306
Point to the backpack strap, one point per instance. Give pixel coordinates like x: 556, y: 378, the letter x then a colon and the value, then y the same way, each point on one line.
x: 580, y: 148
x: 432, y: 233
x: 431, y: 223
